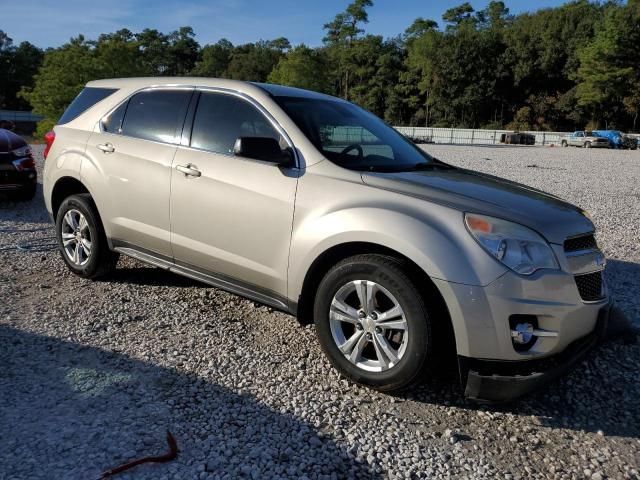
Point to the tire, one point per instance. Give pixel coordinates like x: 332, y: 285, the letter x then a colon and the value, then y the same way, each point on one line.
x: 564, y: 144
x: 410, y: 346
x: 587, y: 144
x: 94, y: 259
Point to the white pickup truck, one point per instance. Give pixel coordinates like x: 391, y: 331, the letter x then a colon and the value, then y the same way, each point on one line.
x: 585, y: 139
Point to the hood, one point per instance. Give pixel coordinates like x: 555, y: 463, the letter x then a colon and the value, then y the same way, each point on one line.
x: 470, y: 191
x: 10, y: 141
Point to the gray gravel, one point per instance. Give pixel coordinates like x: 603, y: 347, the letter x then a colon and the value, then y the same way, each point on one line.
x: 94, y: 373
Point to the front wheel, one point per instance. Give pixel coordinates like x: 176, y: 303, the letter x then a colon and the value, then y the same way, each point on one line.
x: 372, y: 322
x: 81, y: 238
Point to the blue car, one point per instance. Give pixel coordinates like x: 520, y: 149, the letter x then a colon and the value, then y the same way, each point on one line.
x: 617, y: 139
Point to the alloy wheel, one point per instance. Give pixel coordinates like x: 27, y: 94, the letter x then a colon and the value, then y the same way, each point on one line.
x: 76, y: 237
x: 368, y: 325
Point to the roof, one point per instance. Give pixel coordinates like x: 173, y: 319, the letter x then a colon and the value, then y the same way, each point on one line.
x: 282, y: 91
x: 242, y: 86
x: 10, y: 141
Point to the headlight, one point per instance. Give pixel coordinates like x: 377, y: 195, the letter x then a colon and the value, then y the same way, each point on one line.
x: 22, y: 151
x: 518, y: 247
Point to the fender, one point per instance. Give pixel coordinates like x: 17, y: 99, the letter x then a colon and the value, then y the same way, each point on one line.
x: 64, y: 160
x: 430, y: 244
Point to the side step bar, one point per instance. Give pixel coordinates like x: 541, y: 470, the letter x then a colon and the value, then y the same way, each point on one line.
x: 218, y: 281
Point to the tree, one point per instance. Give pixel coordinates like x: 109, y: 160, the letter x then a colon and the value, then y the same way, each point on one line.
x: 18, y: 65
x: 632, y: 104
x: 118, y: 55
x: 154, y: 46
x: 419, y: 27
x: 62, y: 75
x: 460, y: 15
x: 214, y: 59
x: 609, y: 72
x: 182, y: 51
x: 255, y: 61
x: 302, y: 67
x: 496, y: 15
x: 341, y: 34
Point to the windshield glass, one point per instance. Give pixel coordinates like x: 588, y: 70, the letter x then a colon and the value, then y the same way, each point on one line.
x: 352, y: 137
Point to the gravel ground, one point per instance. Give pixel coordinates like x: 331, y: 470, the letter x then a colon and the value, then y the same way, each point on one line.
x: 94, y: 373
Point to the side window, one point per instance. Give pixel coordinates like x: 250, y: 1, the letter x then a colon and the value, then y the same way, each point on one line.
x: 220, y: 119
x: 86, y: 99
x: 112, y: 123
x: 156, y: 115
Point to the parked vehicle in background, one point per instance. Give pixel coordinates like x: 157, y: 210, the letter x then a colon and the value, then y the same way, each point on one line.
x: 617, y: 139
x: 400, y: 259
x: 18, y: 177
x: 517, y: 138
x: 585, y: 139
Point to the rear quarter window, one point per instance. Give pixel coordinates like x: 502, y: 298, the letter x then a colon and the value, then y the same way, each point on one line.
x: 86, y: 99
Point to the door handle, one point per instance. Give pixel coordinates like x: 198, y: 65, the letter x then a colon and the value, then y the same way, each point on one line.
x: 188, y: 170
x: 106, y: 147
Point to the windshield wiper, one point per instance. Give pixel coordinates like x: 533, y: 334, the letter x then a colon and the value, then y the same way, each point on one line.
x: 422, y: 166
x: 428, y: 166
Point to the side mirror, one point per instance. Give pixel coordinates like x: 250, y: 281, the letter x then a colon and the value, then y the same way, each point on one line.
x: 263, y: 148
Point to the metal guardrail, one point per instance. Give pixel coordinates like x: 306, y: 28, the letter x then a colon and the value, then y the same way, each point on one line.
x: 469, y: 136
x: 19, y: 116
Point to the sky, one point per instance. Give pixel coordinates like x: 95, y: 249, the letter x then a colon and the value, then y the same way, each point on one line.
x: 50, y: 23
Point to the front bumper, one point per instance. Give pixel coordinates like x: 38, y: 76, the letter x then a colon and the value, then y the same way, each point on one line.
x: 501, y: 381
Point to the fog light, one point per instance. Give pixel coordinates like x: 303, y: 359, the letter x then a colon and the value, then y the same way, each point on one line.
x: 522, y: 333
x: 525, y: 332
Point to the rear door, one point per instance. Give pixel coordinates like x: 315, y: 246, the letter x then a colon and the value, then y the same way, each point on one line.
x: 235, y: 217
x: 135, y: 148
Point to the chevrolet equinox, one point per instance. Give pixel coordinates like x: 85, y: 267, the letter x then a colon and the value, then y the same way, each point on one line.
x: 316, y: 207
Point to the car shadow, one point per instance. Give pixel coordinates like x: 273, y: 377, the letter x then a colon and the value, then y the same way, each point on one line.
x: 574, y: 401
x: 134, y: 274
x: 73, y: 411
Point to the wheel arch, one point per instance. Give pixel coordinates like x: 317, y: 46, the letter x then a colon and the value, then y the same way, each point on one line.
x: 64, y: 188
x: 303, y: 309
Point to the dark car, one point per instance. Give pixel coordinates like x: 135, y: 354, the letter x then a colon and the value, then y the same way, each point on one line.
x: 18, y: 177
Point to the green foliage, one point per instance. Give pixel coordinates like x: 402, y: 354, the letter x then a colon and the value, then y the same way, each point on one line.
x: 62, y: 75
x: 255, y: 61
x: 609, y: 73
x: 18, y: 65
x: 553, y: 69
x: 43, y: 127
x: 341, y: 45
x: 214, y: 60
x: 302, y: 67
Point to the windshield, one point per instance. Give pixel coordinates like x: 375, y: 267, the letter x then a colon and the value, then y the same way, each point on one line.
x: 352, y: 137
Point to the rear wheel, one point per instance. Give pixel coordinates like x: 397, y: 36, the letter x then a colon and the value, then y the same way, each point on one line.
x: 81, y: 238
x: 373, y: 323
x: 564, y: 143
x: 587, y: 144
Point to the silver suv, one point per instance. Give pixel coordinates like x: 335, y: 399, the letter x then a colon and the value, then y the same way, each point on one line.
x: 312, y: 205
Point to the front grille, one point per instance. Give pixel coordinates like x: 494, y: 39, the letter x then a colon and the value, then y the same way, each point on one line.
x: 590, y: 286
x: 584, y: 242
